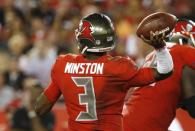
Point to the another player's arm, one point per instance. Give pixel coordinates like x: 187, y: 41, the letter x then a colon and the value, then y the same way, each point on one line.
x: 47, y: 99
x: 188, y: 83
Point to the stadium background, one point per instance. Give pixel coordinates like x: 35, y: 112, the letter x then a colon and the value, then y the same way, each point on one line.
x: 34, y: 32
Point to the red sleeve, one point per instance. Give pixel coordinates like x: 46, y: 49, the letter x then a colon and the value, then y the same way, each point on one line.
x: 134, y: 76
x: 126, y: 69
x: 52, y: 92
x: 143, y: 77
x: 188, y: 56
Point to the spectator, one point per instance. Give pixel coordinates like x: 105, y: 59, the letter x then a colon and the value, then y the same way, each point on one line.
x: 6, y: 92
x: 38, y: 61
x: 17, y: 44
x: 14, y: 76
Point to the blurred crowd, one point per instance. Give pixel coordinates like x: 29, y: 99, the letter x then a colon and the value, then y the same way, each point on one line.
x: 34, y: 32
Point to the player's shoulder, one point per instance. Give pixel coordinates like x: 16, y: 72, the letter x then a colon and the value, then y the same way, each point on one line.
x: 63, y: 59
x: 120, y: 59
x: 121, y: 62
x: 124, y: 67
x: 66, y: 57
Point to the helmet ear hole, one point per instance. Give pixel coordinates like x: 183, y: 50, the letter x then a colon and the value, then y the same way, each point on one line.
x: 96, y: 31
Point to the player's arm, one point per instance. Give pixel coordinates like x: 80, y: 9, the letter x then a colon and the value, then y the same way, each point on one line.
x: 50, y: 95
x: 43, y: 105
x: 147, y: 75
x: 164, y: 63
x: 47, y: 99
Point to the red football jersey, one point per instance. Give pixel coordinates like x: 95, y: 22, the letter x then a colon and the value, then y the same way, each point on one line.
x: 94, y: 90
x: 153, y: 108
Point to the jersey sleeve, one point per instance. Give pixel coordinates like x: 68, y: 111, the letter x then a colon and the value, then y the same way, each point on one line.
x: 134, y: 76
x: 52, y: 92
x: 126, y: 69
x: 188, y: 56
x: 144, y: 76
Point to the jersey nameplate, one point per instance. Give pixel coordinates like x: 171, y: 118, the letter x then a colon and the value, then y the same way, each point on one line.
x: 84, y: 68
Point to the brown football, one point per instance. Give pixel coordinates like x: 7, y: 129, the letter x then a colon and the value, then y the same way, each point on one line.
x: 160, y: 21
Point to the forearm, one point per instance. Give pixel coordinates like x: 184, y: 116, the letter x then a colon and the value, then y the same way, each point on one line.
x: 42, y: 105
x: 144, y: 76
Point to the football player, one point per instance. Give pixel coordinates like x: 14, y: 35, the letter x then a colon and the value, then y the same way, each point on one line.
x: 153, y: 108
x: 94, y: 83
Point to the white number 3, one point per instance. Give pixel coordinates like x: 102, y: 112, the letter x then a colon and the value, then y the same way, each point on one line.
x: 87, y: 98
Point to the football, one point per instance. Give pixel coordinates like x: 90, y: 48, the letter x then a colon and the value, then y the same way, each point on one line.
x: 160, y: 21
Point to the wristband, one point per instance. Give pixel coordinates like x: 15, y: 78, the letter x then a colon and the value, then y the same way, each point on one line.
x: 164, y: 61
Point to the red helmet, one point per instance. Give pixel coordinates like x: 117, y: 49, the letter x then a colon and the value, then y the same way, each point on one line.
x: 184, y: 32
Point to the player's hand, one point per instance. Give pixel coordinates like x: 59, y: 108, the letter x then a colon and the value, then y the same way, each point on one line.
x: 157, y: 39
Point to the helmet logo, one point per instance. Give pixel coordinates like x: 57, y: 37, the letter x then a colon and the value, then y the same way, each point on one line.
x: 85, y: 31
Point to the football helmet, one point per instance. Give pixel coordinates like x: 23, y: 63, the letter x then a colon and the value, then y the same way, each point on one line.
x: 184, y: 32
x: 95, y: 34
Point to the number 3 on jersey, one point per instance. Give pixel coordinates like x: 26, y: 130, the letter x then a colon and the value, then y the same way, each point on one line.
x: 87, y: 98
